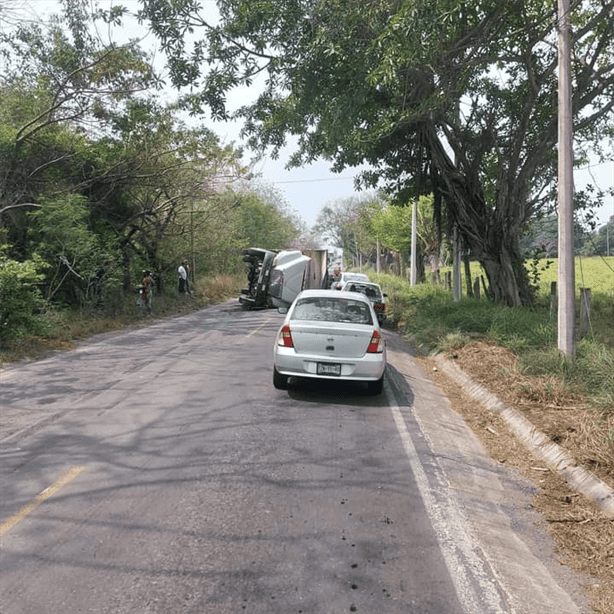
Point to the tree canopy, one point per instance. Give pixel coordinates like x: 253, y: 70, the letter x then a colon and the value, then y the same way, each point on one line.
x: 101, y: 178
x: 452, y: 98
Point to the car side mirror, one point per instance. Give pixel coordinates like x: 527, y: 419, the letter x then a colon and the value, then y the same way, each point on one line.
x: 282, y: 310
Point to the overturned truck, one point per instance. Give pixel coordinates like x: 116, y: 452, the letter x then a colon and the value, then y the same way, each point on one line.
x: 275, y: 278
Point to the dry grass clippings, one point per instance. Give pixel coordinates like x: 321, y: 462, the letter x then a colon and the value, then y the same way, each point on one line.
x: 583, y: 536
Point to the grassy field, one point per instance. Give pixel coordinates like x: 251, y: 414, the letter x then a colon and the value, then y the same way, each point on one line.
x: 595, y: 273
x: 435, y: 321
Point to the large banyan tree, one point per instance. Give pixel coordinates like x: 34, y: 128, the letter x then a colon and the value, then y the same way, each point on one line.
x: 450, y: 97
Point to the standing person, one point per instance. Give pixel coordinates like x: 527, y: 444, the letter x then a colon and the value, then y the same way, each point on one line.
x: 148, y: 291
x: 182, y: 276
x: 145, y: 294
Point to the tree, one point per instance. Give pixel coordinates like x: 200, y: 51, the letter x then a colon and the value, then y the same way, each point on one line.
x: 57, y: 87
x: 392, y: 225
x: 346, y: 224
x: 85, y: 144
x: 60, y: 235
x: 452, y: 98
x: 262, y: 225
x: 161, y: 187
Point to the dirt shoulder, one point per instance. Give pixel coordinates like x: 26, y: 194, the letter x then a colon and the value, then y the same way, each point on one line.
x: 583, y: 535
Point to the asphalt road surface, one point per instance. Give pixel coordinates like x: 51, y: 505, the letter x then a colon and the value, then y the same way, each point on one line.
x: 157, y: 470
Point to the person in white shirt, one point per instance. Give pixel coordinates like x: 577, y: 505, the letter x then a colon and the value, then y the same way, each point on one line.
x: 182, y: 275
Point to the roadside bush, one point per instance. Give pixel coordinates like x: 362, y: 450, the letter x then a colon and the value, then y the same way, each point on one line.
x: 438, y: 323
x: 430, y: 314
x: 22, y: 302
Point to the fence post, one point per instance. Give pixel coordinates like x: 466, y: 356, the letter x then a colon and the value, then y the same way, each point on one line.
x: 585, y: 311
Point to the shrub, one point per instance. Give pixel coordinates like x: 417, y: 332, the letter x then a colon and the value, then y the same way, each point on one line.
x: 22, y: 302
x: 437, y: 322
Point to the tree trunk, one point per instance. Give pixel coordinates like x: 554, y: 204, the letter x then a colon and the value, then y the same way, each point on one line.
x: 491, y: 232
x: 467, y: 266
x: 507, y: 278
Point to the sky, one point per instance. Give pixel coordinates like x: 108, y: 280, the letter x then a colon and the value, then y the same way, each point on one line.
x: 306, y: 190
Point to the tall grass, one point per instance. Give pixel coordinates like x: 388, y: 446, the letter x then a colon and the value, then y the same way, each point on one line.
x: 437, y: 323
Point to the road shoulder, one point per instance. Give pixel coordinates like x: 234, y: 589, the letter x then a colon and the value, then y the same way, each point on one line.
x: 495, y: 498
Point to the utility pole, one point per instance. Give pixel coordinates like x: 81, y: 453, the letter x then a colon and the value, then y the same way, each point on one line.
x: 566, y: 278
x: 192, y: 257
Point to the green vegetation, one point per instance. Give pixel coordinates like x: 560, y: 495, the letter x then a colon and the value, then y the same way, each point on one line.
x: 437, y: 323
x: 21, y: 299
x: 101, y: 180
x: 445, y: 112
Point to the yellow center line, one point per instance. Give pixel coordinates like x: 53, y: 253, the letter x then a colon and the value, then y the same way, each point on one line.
x: 257, y: 330
x: 67, y: 477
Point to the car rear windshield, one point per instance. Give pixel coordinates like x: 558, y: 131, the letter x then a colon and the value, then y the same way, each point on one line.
x: 332, y: 310
x: 373, y: 293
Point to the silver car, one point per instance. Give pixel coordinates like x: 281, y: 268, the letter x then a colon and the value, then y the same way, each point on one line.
x: 345, y: 277
x: 332, y: 335
x: 373, y: 292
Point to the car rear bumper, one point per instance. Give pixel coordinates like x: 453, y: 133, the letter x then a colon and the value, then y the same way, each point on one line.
x: 368, y: 368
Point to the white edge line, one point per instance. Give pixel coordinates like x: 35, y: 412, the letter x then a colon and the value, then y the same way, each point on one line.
x: 452, y: 536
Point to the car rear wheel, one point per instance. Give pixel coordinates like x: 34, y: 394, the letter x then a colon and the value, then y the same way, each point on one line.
x: 280, y: 381
x: 375, y: 388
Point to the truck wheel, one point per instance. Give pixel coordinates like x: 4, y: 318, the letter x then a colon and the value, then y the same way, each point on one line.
x: 280, y: 381
x: 375, y: 388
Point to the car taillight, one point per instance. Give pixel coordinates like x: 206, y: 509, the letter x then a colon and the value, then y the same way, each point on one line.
x: 376, y: 345
x: 285, y: 337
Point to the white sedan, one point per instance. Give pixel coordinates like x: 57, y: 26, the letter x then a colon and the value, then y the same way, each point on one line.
x: 373, y: 292
x: 332, y: 335
x: 346, y: 277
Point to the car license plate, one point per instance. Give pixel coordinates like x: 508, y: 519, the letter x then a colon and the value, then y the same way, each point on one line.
x: 327, y: 368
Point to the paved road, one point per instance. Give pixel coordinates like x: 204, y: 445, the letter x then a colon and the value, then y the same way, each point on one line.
x: 158, y: 470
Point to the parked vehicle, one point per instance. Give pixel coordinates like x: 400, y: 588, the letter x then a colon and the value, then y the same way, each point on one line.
x: 345, y: 277
x: 330, y: 335
x: 276, y: 278
x: 374, y: 293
